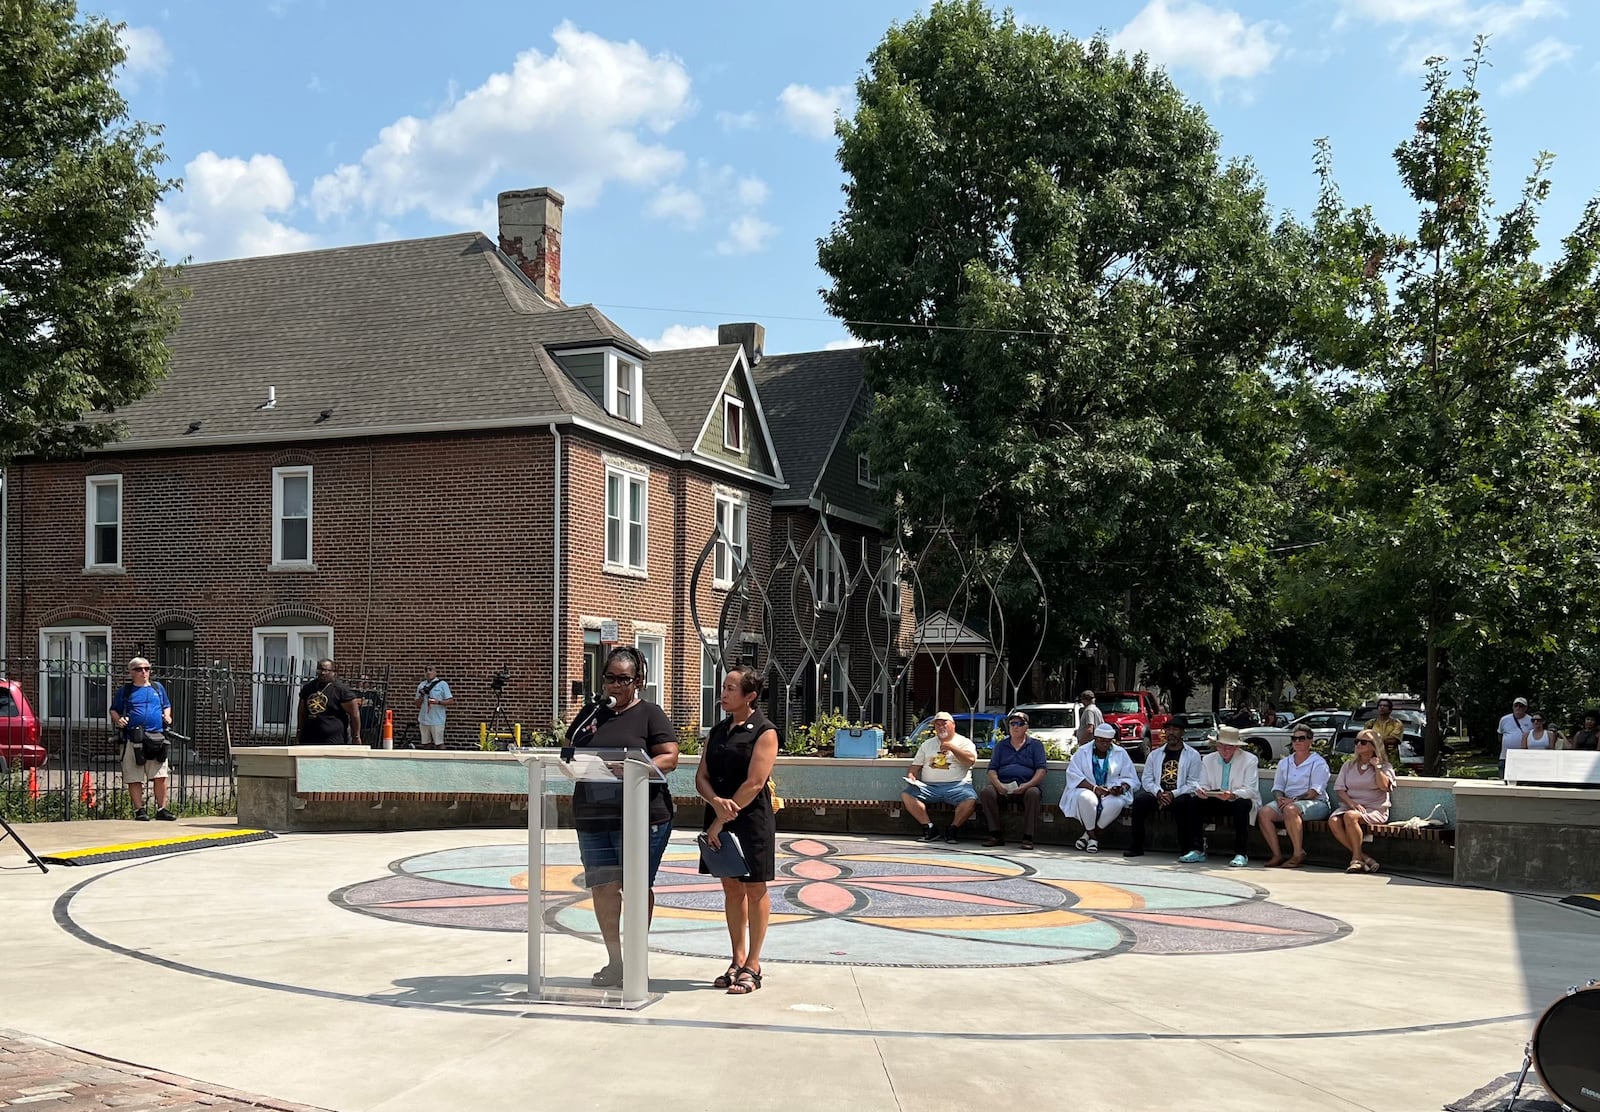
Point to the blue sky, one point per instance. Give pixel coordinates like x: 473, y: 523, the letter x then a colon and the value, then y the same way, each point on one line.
x: 692, y: 140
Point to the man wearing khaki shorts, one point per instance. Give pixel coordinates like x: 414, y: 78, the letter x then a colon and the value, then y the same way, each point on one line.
x: 141, y: 704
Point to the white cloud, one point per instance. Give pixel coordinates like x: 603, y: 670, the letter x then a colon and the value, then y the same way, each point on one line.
x: 1214, y: 42
x: 148, y: 55
x: 738, y: 121
x: 848, y: 344
x: 585, y: 115
x: 1459, y: 15
x: 223, y: 210
x: 721, y: 190
x: 1536, y: 59
x: 746, y: 235
x: 812, y: 111
x: 683, y: 336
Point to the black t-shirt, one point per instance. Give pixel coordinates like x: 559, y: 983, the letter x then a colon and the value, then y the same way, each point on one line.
x: 642, y: 726
x: 326, y: 720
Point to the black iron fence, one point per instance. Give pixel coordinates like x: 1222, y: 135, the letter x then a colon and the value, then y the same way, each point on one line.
x: 61, y: 758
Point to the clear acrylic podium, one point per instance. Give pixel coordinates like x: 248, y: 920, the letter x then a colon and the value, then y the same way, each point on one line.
x: 562, y: 916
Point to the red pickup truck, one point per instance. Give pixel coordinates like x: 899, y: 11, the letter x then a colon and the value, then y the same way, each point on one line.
x: 1137, y: 715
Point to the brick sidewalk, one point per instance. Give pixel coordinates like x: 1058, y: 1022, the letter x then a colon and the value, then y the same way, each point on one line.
x: 44, y: 1077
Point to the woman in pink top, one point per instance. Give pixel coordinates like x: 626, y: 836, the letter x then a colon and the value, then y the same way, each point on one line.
x: 1363, y: 788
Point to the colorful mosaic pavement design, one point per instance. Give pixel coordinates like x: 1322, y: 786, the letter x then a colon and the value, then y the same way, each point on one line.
x: 862, y: 903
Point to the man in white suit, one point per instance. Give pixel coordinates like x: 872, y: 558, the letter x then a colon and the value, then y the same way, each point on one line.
x: 1171, y: 778
x: 1230, y: 790
x: 1101, y: 781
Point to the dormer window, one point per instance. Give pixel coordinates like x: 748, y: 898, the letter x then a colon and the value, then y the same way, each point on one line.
x: 732, y: 423
x: 624, y: 388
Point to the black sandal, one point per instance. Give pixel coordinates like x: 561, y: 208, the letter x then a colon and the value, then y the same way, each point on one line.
x: 745, y: 982
x: 727, y: 978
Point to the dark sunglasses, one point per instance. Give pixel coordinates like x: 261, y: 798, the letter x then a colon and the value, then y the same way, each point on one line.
x: 610, y: 677
x: 146, y: 668
x: 1302, y: 737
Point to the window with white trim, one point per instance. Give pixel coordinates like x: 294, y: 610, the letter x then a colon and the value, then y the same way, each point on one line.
x: 864, y: 474
x: 75, y: 672
x: 285, y: 658
x: 732, y: 540
x: 710, y: 689
x: 624, y: 388
x: 627, y: 519
x: 102, y: 528
x: 839, y: 680
x: 888, y: 591
x: 828, y: 574
x: 732, y: 423
x: 291, y: 515
x: 652, y: 647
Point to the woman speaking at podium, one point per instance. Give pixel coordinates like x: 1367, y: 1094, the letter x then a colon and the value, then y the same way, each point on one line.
x: 732, y: 780
x: 627, y: 723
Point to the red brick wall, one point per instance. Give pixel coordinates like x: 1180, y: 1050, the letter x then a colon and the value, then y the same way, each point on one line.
x: 426, y: 548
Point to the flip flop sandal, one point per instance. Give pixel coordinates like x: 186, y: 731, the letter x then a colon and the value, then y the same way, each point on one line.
x: 745, y: 982
x: 727, y: 978
x: 1295, y: 861
x: 1370, y: 865
x: 1355, y: 867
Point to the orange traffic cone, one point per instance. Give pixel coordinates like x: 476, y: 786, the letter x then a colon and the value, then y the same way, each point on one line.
x: 86, y: 793
x: 33, y: 784
x: 388, y: 730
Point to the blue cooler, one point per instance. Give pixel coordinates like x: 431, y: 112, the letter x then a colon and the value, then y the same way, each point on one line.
x: 864, y: 742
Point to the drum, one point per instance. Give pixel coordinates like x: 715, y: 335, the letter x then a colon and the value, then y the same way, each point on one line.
x: 1566, y: 1048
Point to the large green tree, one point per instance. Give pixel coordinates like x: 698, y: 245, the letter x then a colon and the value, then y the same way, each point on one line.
x: 1070, y: 297
x: 84, y: 307
x: 1451, y: 375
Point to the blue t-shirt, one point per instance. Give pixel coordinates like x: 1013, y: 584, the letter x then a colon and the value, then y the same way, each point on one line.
x: 1017, y: 766
x: 143, y: 705
x: 434, y: 715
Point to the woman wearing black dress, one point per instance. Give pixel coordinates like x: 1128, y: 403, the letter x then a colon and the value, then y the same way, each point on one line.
x: 733, y: 781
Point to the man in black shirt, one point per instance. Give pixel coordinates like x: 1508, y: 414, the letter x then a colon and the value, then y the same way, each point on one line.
x: 329, y: 712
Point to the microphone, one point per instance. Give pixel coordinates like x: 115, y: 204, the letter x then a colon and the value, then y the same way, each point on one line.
x: 586, y: 722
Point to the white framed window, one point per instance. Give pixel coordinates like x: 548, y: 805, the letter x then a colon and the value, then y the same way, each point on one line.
x: 285, y: 658
x: 888, y: 591
x: 102, y: 522
x: 828, y: 574
x: 291, y: 516
x: 864, y: 474
x: 652, y: 647
x: 627, y: 519
x: 732, y: 539
x: 710, y: 689
x: 624, y: 388
x: 732, y: 423
x: 839, y: 680
x: 75, y: 672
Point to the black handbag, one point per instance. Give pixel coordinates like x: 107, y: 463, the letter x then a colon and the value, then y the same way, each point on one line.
x: 148, y: 746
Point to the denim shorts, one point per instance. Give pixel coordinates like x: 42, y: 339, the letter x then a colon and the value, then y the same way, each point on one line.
x: 951, y: 791
x: 1312, y: 810
x: 601, y: 853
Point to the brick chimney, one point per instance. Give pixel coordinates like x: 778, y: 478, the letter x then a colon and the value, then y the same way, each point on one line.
x: 749, y: 334
x: 530, y: 234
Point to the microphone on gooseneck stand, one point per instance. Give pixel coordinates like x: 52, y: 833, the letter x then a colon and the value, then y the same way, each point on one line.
x: 585, y: 723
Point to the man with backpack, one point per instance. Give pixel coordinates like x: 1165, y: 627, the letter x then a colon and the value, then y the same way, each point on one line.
x: 142, y: 712
x: 433, y: 695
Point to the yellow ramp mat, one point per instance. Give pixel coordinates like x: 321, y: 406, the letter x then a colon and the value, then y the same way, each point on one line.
x: 155, y: 847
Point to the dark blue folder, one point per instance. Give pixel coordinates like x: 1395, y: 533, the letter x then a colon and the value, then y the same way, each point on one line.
x: 726, y: 861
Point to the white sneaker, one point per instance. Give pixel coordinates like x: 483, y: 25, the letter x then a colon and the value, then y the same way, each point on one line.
x: 1081, y: 843
x: 1092, y: 846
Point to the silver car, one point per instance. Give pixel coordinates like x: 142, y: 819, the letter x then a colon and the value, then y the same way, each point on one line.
x: 1054, y: 723
x: 1199, y: 729
x: 1272, y: 743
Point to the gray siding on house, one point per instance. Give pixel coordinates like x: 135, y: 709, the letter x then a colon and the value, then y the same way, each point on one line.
x: 754, y: 454
x: 588, y: 371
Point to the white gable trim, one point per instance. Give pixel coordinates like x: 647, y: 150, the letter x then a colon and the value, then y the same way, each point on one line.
x: 739, y: 366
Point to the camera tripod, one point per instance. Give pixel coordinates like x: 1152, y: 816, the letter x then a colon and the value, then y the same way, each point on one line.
x: 10, y: 833
x: 499, y: 732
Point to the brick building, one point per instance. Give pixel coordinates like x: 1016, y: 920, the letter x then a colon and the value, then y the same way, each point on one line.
x: 415, y: 452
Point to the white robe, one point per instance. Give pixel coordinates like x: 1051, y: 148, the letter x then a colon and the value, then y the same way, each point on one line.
x: 1093, y: 811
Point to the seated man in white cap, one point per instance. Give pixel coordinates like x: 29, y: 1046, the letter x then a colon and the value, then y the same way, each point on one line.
x: 1230, y: 790
x: 941, y: 772
x: 1101, y: 781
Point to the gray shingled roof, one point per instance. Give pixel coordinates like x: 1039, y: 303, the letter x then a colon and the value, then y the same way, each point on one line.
x: 435, y: 332
x: 685, y: 383
x: 807, y: 397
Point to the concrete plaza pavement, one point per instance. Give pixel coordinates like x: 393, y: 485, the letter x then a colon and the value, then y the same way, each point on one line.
x: 246, y: 967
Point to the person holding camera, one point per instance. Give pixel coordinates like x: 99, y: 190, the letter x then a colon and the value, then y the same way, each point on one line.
x: 433, y: 695
x: 142, y: 712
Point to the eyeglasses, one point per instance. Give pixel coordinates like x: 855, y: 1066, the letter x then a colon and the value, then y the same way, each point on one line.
x: 1302, y: 737
x: 1536, y: 718
x: 612, y: 678
x: 140, y: 668
x: 1018, y: 722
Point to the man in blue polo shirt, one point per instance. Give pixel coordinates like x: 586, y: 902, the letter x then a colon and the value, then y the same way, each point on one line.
x: 1015, y: 771
x: 142, y: 710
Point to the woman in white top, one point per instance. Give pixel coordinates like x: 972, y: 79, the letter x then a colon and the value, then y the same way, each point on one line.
x: 1541, y: 736
x: 1299, y: 794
